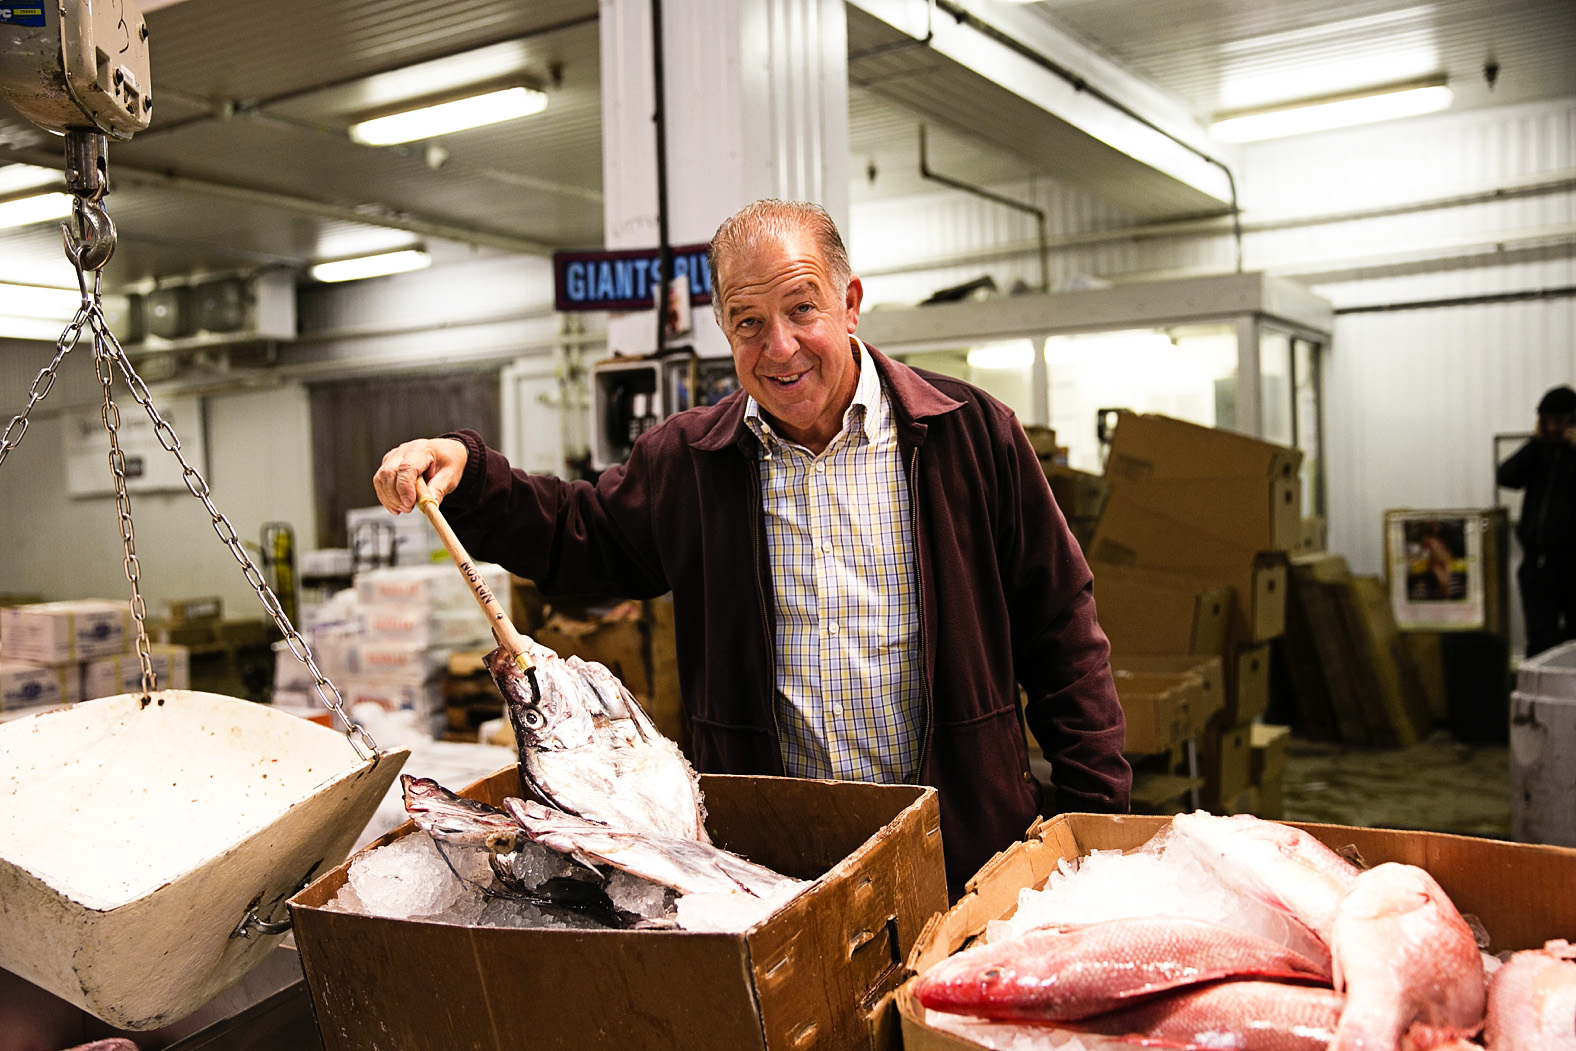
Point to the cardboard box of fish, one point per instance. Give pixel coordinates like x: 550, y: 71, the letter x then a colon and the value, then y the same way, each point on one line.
x: 600, y: 894
x: 1098, y: 933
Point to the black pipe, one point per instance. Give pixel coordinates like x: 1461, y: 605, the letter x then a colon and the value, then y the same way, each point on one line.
x: 1562, y: 292
x: 659, y: 117
x: 968, y: 18
x: 1038, y: 213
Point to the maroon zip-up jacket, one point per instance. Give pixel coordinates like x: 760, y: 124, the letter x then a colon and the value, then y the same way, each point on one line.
x: 1005, y: 596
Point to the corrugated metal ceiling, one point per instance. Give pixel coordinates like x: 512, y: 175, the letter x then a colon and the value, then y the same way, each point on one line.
x: 247, y: 161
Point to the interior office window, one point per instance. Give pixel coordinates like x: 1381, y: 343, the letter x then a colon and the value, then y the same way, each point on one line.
x: 354, y: 422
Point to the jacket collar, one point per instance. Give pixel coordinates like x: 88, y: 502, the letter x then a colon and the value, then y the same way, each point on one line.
x: 914, y: 400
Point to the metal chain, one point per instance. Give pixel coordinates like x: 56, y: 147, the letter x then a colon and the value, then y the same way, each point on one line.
x: 358, y: 736
x: 89, y: 249
x: 46, y: 376
x: 104, y: 366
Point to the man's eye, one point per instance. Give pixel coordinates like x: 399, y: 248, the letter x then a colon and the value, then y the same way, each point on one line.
x: 804, y: 308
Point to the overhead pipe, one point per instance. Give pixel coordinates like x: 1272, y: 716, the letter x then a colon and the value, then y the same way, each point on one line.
x: 957, y: 184
x: 968, y: 18
x: 660, y: 118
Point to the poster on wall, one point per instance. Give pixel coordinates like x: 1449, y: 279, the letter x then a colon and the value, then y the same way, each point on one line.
x: 1435, y: 563
x: 150, y: 467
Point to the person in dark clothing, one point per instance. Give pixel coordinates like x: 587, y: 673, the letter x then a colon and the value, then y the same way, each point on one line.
x: 1546, y: 468
x: 865, y: 559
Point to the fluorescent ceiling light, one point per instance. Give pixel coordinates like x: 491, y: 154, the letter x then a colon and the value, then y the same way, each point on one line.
x: 372, y: 265
x: 33, y: 301
x: 17, y: 177
x: 1092, y: 347
x: 473, y: 112
x: 24, y: 211
x: 1012, y: 354
x: 1337, y: 111
x: 30, y: 328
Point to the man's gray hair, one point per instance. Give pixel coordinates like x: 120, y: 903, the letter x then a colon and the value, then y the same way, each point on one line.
x: 770, y: 219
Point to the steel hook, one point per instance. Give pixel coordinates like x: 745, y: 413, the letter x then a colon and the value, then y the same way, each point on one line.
x: 91, y: 248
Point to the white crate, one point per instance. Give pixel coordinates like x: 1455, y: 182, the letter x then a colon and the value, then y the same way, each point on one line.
x: 108, y: 676
x: 63, y: 632
x: 1551, y: 673
x: 425, y: 626
x: 24, y: 685
x: 397, y: 662
x: 434, y: 586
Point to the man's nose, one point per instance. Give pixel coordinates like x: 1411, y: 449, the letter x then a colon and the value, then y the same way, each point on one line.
x: 780, y: 343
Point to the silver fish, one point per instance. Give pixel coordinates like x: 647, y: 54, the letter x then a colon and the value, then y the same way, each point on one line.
x: 589, y: 749
x: 1407, y: 961
x: 452, y: 818
x: 1063, y: 973
x: 686, y: 865
x: 1532, y: 1001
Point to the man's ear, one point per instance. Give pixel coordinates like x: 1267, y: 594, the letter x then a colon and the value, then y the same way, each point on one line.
x: 851, y: 302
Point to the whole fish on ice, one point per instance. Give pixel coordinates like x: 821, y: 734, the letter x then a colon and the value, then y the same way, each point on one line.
x: 589, y: 749
x: 1058, y: 974
x: 1532, y: 1001
x: 1279, y: 865
x: 686, y: 865
x: 1244, y: 1015
x: 1407, y: 962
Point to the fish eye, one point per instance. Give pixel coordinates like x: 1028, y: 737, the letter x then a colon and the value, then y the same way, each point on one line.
x: 532, y: 718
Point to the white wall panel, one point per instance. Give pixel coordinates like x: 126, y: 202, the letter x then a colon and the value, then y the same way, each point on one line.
x: 258, y: 468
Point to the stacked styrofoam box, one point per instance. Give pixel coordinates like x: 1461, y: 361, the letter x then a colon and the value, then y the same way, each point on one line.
x: 1543, y: 748
x: 387, y: 641
x: 43, y: 645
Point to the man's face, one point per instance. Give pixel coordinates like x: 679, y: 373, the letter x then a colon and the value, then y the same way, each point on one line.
x: 789, y: 332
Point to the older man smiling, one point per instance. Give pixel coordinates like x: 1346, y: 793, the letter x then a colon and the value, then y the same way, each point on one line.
x: 865, y: 559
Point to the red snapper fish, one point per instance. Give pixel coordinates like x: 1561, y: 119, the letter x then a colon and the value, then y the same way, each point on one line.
x: 1278, y: 865
x: 1065, y: 973
x: 1532, y: 1001
x: 1407, y: 962
x: 1227, y: 1016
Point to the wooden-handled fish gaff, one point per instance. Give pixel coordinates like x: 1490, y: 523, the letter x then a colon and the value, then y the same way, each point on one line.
x: 502, y: 628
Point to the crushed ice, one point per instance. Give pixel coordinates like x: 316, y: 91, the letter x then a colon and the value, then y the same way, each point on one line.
x: 1152, y: 881
x: 411, y: 879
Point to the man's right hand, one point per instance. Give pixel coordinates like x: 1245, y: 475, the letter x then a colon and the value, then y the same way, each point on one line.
x: 439, y: 460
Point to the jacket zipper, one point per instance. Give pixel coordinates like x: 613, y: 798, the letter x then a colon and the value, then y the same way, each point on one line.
x: 924, y: 641
x: 766, y: 623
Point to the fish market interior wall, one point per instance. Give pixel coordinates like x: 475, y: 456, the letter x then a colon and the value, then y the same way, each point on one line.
x: 60, y: 546
x: 1472, y: 215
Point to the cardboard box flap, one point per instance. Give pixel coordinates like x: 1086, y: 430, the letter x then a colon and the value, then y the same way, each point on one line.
x: 1149, y: 446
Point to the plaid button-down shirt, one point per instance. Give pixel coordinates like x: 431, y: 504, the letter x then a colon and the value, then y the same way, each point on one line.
x: 848, y: 676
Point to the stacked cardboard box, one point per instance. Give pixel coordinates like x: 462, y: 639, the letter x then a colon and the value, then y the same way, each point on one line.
x: 1190, y: 557
x: 388, y: 640
x: 55, y: 653
x: 1351, y: 676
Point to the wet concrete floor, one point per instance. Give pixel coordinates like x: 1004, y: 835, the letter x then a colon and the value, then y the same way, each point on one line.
x: 1440, y: 784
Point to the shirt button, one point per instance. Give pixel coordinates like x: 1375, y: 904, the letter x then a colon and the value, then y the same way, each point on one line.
x: 820, y: 468
x: 837, y: 709
x: 832, y: 627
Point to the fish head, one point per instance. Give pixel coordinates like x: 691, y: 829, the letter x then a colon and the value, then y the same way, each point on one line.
x: 546, y: 706
x: 452, y: 818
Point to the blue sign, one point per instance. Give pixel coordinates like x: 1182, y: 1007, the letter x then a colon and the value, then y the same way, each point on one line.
x: 625, y: 280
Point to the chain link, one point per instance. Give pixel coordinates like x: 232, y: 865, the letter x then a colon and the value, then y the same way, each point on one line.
x: 108, y: 356
x: 104, y: 366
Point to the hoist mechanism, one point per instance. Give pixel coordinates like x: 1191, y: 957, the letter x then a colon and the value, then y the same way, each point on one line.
x: 79, y: 68
x: 77, y: 65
